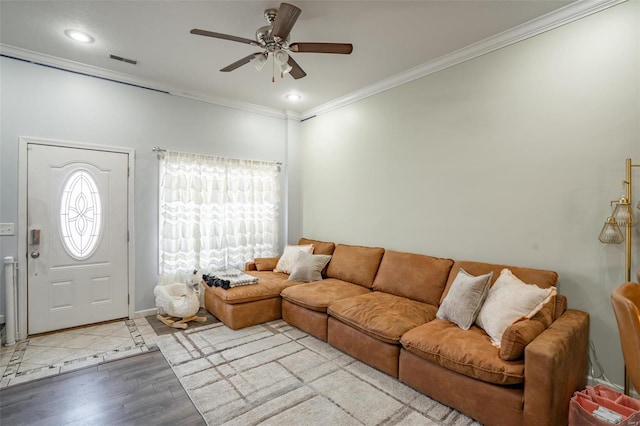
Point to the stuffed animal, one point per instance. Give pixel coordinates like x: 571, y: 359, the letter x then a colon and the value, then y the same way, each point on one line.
x: 179, y: 300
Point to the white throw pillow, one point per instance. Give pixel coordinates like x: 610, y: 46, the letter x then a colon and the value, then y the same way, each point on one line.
x: 508, y: 301
x: 289, y: 257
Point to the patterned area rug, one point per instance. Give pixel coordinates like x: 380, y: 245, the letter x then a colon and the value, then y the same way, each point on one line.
x: 275, y: 374
x: 161, y: 328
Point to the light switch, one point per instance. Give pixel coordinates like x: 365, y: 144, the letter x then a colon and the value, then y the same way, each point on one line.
x: 7, y: 229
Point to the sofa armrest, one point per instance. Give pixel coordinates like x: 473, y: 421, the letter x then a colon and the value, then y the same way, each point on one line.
x: 556, y: 365
x: 262, y: 264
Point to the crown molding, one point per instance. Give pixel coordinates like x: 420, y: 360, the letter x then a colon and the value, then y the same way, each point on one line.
x: 78, y: 67
x: 239, y: 105
x: 293, y: 115
x: 102, y: 73
x: 544, y: 23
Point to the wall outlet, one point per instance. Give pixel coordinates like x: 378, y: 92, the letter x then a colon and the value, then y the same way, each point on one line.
x: 7, y: 229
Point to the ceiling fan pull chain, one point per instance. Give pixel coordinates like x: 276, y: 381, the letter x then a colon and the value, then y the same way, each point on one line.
x: 273, y: 70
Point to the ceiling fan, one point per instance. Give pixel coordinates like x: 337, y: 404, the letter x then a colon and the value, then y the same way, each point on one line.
x: 274, y: 41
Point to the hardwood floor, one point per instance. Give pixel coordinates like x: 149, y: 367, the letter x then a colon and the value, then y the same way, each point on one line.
x: 140, y: 390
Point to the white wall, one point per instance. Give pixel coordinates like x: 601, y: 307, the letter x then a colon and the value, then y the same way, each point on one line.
x: 47, y: 103
x: 294, y: 187
x: 509, y: 158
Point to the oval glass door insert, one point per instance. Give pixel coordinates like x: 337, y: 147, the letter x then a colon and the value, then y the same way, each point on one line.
x: 80, y: 215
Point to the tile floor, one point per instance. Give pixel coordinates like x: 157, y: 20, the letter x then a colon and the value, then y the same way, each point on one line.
x: 68, y: 350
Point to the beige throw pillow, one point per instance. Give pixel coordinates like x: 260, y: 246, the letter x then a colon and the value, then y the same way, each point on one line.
x: 308, y: 267
x: 289, y: 256
x: 509, y: 300
x: 464, y: 300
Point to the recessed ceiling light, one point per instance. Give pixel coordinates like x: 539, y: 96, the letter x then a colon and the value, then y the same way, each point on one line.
x: 293, y: 97
x: 78, y: 36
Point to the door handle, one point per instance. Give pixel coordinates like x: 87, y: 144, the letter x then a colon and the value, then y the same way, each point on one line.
x: 35, y: 254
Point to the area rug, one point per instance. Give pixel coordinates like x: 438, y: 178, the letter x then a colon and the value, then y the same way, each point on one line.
x: 275, y: 374
x: 139, y: 389
x: 161, y: 328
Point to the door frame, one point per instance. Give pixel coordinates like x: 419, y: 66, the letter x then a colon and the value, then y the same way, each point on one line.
x: 24, y: 141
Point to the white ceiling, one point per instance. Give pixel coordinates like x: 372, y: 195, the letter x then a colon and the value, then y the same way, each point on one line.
x: 389, y: 37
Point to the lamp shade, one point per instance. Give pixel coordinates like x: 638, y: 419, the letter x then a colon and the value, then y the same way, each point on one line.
x: 280, y: 57
x: 611, y: 233
x: 281, y: 60
x: 285, y: 69
x: 259, y: 61
x: 624, y: 214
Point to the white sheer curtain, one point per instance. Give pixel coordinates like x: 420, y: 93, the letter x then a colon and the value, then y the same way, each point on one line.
x: 215, y: 213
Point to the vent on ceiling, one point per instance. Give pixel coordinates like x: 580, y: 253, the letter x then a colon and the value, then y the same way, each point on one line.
x: 121, y: 59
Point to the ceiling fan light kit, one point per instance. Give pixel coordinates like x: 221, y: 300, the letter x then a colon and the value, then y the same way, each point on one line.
x: 274, y: 40
x: 258, y: 61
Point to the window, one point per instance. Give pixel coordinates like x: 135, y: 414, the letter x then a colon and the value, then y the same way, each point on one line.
x: 80, y: 217
x: 215, y: 213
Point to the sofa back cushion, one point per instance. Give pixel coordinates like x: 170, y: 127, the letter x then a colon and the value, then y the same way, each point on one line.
x: 540, y: 277
x: 355, y: 264
x: 319, y: 247
x: 414, y: 276
x: 561, y: 306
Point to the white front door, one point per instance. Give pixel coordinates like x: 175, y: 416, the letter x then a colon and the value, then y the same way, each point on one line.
x: 77, y: 237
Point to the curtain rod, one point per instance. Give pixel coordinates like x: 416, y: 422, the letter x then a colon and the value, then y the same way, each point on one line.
x: 161, y: 150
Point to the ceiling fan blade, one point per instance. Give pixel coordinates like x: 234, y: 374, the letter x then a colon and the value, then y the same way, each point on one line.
x: 296, y: 71
x: 240, y: 62
x: 224, y: 36
x: 285, y: 19
x: 341, y: 48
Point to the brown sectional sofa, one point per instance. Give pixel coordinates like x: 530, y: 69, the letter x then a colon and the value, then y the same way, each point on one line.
x: 380, y: 307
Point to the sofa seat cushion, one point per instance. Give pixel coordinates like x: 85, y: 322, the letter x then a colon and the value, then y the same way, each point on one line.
x: 270, y: 285
x: 467, y: 352
x: 383, y: 316
x: 317, y: 295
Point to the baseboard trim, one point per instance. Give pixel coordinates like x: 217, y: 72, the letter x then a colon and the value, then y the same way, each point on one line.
x: 145, y: 313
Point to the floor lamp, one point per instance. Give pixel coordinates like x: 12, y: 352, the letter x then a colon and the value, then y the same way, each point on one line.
x: 623, y: 217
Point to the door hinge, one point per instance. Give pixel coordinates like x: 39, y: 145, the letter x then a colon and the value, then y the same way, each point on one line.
x: 128, y: 171
x: 127, y: 235
x: 128, y: 299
